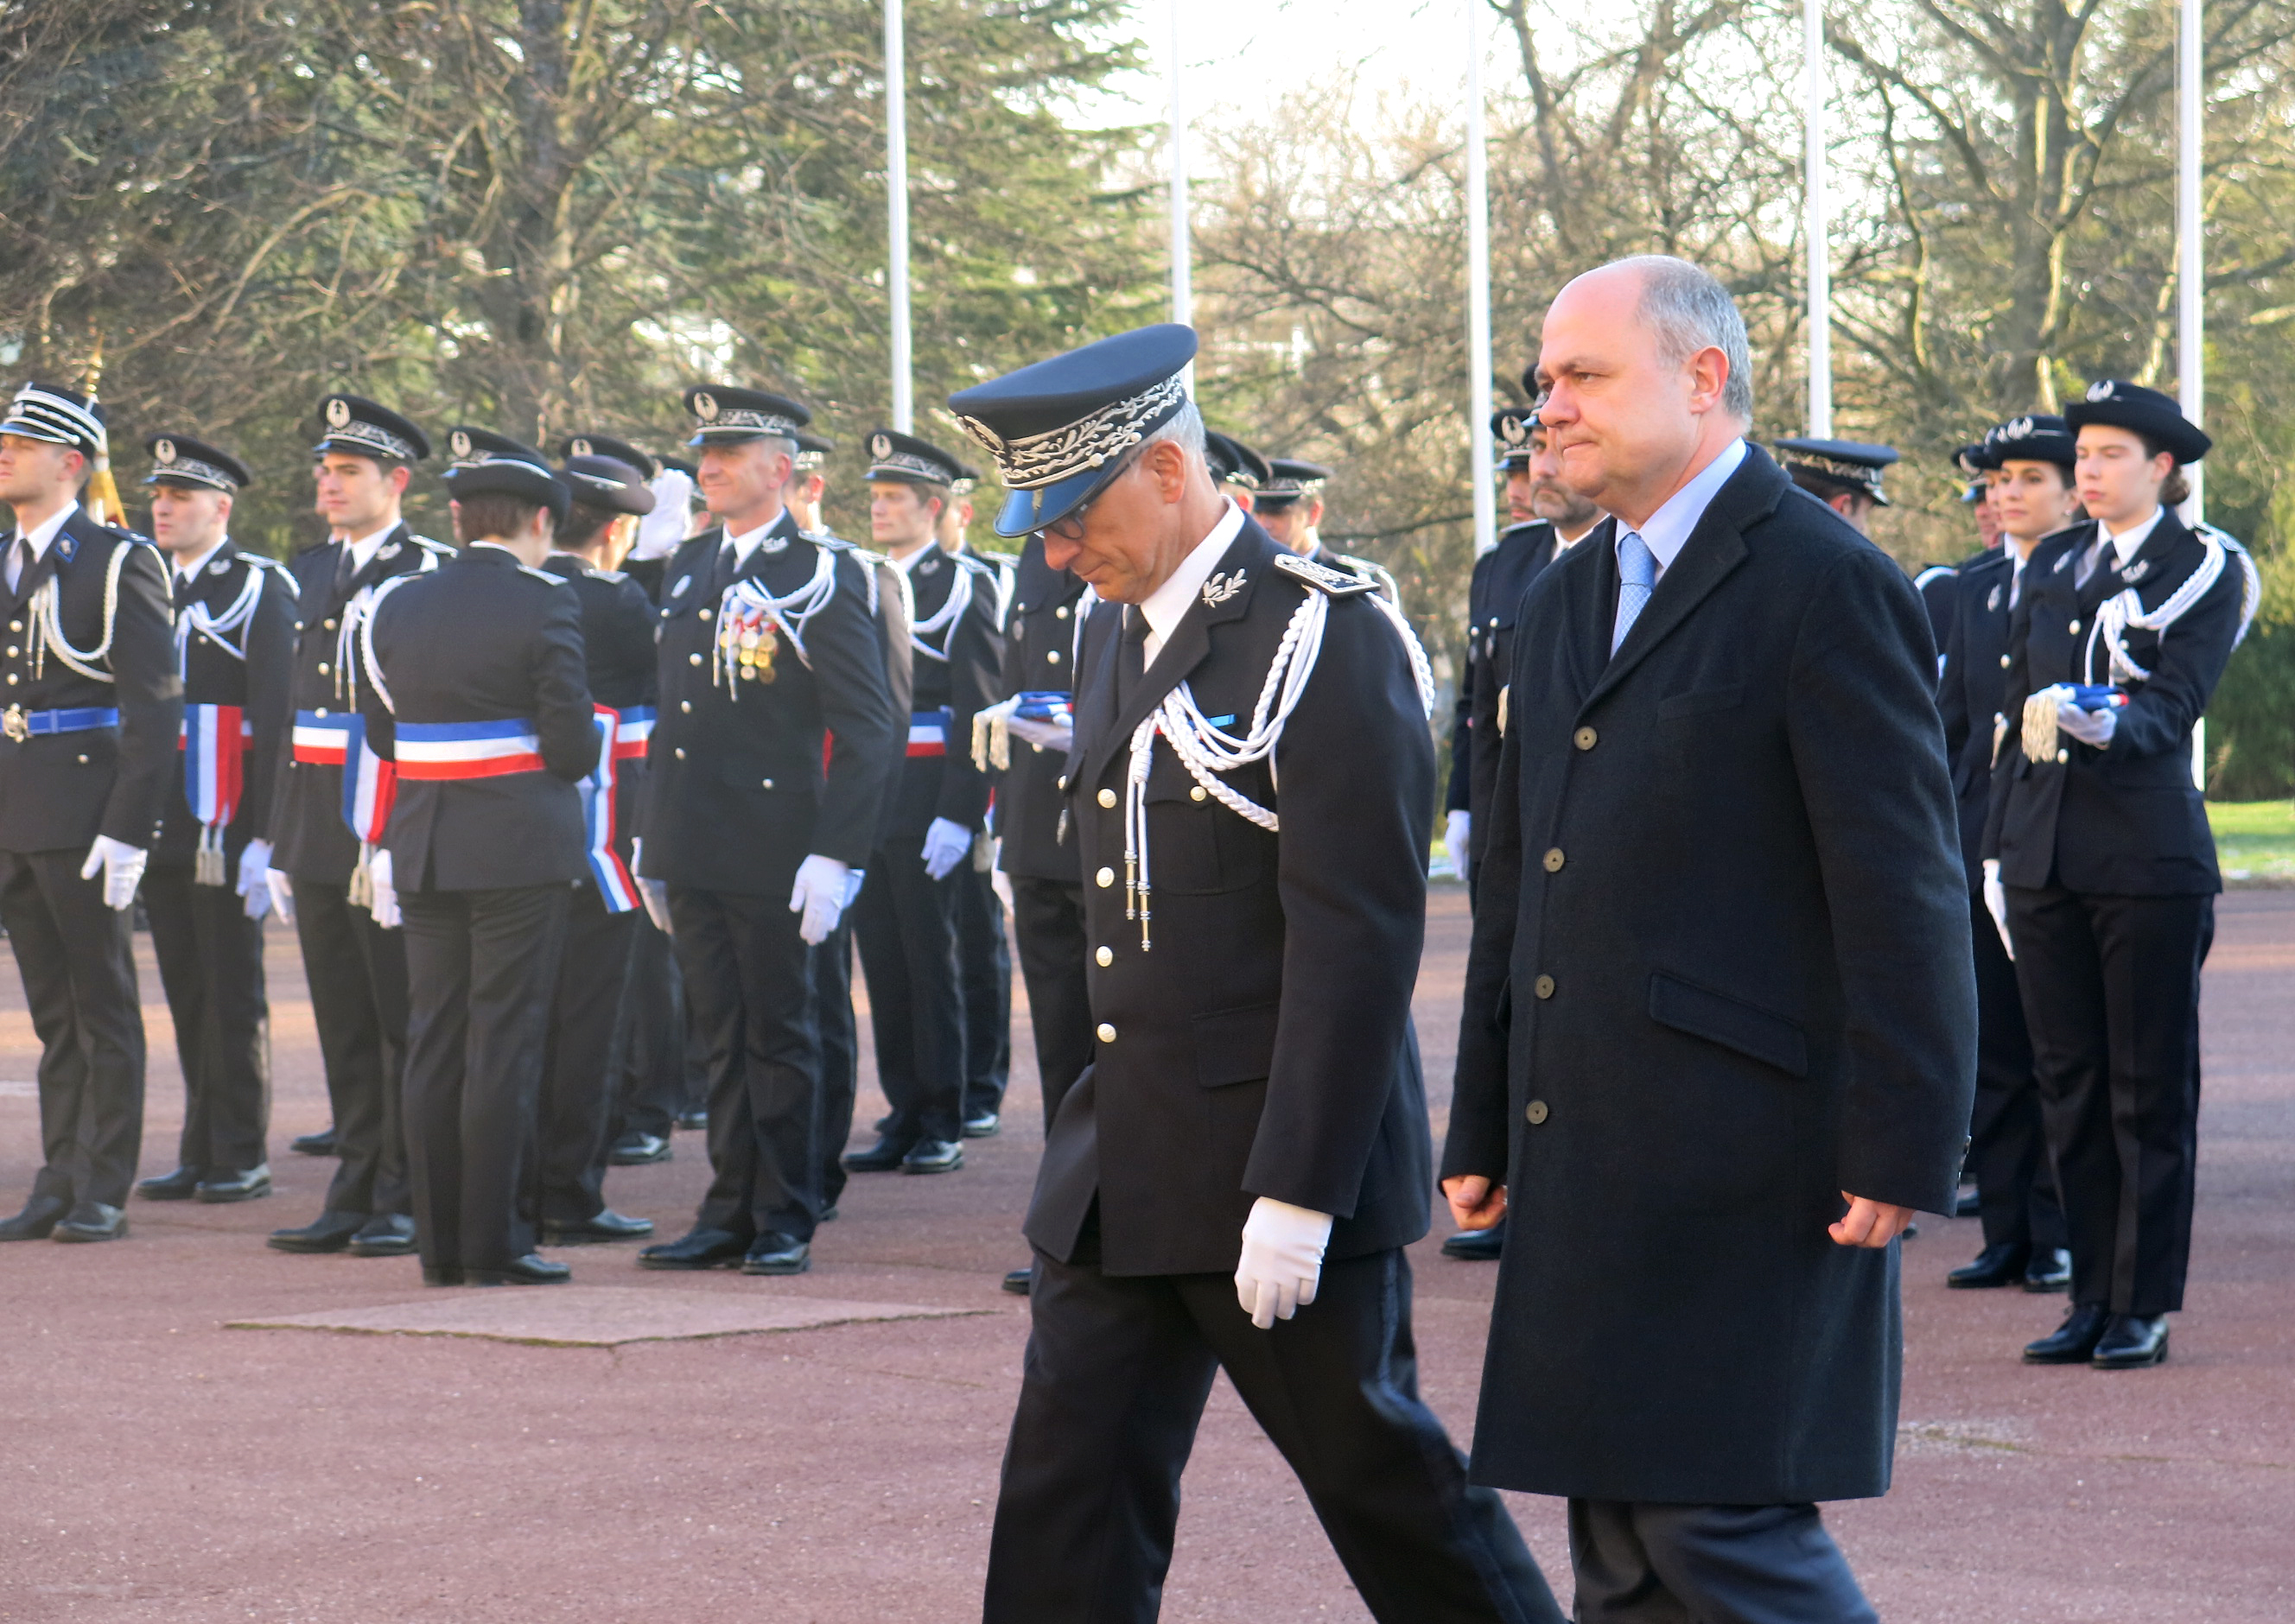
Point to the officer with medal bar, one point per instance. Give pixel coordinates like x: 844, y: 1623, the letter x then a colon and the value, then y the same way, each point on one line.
x: 904, y: 922
x: 769, y: 656
x: 2098, y: 861
x: 1231, y: 1183
x: 205, y: 890
x: 332, y: 802
x: 92, y: 707
x: 475, y: 694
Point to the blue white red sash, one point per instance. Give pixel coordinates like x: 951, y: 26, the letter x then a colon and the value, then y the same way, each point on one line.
x: 928, y: 732
x: 633, y: 731
x: 370, y: 786
x: 433, y: 750
x: 616, y: 888
x: 319, y: 738
x: 214, y: 743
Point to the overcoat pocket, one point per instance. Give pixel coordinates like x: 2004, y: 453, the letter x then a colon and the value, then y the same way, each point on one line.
x: 1731, y: 1022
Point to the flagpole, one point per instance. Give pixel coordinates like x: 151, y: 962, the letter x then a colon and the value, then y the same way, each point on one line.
x: 1478, y: 291
x: 1814, y: 226
x: 2191, y: 263
x: 1183, y: 293
x: 896, y: 190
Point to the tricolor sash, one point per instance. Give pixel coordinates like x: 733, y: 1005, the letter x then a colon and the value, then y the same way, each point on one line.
x: 435, y: 750
x: 616, y: 888
x: 214, y: 743
x: 633, y: 730
x: 320, y: 740
x: 928, y: 732
x: 370, y: 786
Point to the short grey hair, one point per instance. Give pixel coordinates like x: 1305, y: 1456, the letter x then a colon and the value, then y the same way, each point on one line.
x: 1184, y: 429
x: 1689, y: 310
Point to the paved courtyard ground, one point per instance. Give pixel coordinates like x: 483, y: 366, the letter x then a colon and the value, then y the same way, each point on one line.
x: 155, y: 1465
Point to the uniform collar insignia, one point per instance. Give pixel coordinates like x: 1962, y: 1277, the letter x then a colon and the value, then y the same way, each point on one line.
x: 677, y: 587
x: 218, y: 566
x: 2137, y: 570
x: 925, y: 566
x: 1993, y: 603
x: 1221, y: 587
x: 776, y: 544
x: 66, y: 547
x: 390, y: 549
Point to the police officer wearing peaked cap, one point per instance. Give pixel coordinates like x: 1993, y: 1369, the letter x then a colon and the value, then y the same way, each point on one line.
x: 92, y: 705
x: 1289, y: 504
x: 1236, y: 468
x: 1230, y: 1184
x: 205, y: 890
x: 594, y: 445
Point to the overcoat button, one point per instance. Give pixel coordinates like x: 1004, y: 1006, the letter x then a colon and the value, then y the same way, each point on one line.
x: 704, y: 614
x: 1061, y: 613
x: 768, y: 783
x: 2063, y: 755
x: 322, y: 668
x: 1107, y: 797
x: 1537, y: 1111
x: 1544, y: 986
x: 1106, y: 1032
x: 1554, y: 860
x: 1197, y: 794
x: 83, y: 761
x: 1105, y: 878
x: 690, y: 659
x: 681, y: 752
x: 1107, y: 956
x: 1051, y: 657
x: 2075, y: 628
x: 2003, y: 662
x: 329, y: 625
x: 1584, y: 738
x: 685, y: 705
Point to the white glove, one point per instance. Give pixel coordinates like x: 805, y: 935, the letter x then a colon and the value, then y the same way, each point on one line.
x: 1457, y: 827
x: 946, y: 844
x: 254, y: 864
x: 818, y: 895
x: 653, y: 893
x: 1282, y: 1260
x: 852, y: 888
x: 121, y: 866
x: 1995, y: 903
x: 2089, y: 726
x: 385, y: 905
x: 660, y: 531
x: 282, y: 894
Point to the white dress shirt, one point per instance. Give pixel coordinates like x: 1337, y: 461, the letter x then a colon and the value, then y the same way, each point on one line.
x: 1168, y: 603
x: 748, y: 543
x: 363, y: 547
x: 2130, y: 541
x: 37, y: 540
x: 1667, y: 530
x: 187, y: 571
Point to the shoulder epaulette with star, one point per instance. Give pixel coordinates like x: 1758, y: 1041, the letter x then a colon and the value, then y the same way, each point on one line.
x: 1333, y: 583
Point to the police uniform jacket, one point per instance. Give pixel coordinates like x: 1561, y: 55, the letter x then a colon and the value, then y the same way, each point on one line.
x: 1260, y: 1047
x: 955, y: 671
x: 61, y: 790
x: 619, y: 658
x: 889, y: 606
x: 483, y: 639
x: 248, y: 668
x: 1969, y: 690
x: 1940, y: 589
x: 1720, y: 973
x: 309, y: 839
x: 1361, y: 569
x: 1493, y: 602
x: 736, y: 792
x: 1041, y: 640
x: 2126, y: 820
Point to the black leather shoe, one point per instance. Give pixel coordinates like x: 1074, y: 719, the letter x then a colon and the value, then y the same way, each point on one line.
x: 2049, y: 1271
x: 984, y: 1126
x: 1477, y: 1245
x: 443, y: 1277
x: 884, y: 1156
x: 1018, y: 1280
x: 1967, y: 1204
x: 331, y: 1232
x: 693, y: 1122
x: 36, y: 1221
x: 2001, y: 1265
x: 528, y: 1270
x: 774, y: 1253
x: 386, y: 1234
x: 607, y: 1226
x: 634, y: 1149
x: 933, y: 1156
x: 319, y: 1144
x: 2131, y: 1342
x: 2072, y: 1342
x: 177, y: 1185
x: 829, y: 1214
x: 695, y: 1249
x: 252, y: 1185
x: 92, y: 1220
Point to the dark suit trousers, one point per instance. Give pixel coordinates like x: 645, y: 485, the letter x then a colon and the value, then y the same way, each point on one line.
x: 578, y: 1078
x: 211, y: 957
x: 1642, y: 1563
x: 357, y: 975
x: 1116, y: 1373
x: 2112, y: 997
x: 77, y: 961
x: 829, y: 965
x: 905, y: 924
x: 983, y: 961
x: 2008, y: 1146
x: 649, y: 1042
x: 1048, y: 924
x: 750, y: 1000
x: 480, y: 968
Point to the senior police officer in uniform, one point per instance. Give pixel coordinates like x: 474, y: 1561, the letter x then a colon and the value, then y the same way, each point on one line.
x: 1289, y: 505
x: 2099, y: 862
x: 775, y: 721
x: 92, y: 703
x: 1231, y: 1184
x: 205, y: 890
x: 474, y: 692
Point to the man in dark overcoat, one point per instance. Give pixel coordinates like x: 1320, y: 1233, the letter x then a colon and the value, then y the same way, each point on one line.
x: 1719, y: 1040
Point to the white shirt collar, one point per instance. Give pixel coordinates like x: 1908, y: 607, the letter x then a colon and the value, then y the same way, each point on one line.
x: 908, y: 566
x: 186, y: 571
x: 364, y: 547
x: 749, y: 541
x: 2129, y: 542
x: 39, y: 535
x: 1669, y: 529
x: 1168, y: 603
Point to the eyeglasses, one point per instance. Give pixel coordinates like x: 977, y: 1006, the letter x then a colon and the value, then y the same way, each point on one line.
x: 1069, y: 526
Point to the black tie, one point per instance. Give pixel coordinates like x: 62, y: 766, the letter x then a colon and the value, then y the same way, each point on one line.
x: 1131, y: 659
x: 345, y: 570
x: 721, y: 577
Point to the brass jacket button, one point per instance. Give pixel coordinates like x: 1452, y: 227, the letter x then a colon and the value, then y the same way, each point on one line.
x: 1554, y: 860
x: 1105, y: 956
x: 1107, y: 1033
x: 1585, y: 738
x: 1543, y: 986
x: 1105, y: 878
x: 1536, y: 1114
x: 1107, y: 797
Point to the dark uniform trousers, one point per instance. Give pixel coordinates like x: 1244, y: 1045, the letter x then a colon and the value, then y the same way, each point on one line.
x: 357, y: 975
x: 829, y: 965
x: 211, y: 957
x: 750, y: 1000
x: 983, y: 963
x: 2111, y: 996
x: 481, y: 964
x: 1048, y: 924
x: 1117, y: 1373
x: 2007, y: 1140
x: 78, y: 965
x: 650, y: 1042
x: 1643, y: 1563
x: 905, y: 923
x: 579, y: 1079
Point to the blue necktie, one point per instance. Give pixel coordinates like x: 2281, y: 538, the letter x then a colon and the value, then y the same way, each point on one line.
x: 1636, y: 580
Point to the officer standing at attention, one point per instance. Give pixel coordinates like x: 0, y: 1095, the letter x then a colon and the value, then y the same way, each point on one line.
x: 775, y: 722
x: 2029, y: 461
x: 87, y: 745
x: 1231, y: 1183
x: 1289, y: 504
x: 905, y: 920
x: 205, y: 890
x: 1237, y: 470
x: 2098, y: 862
x: 475, y: 690
x: 808, y: 485
x: 1845, y: 476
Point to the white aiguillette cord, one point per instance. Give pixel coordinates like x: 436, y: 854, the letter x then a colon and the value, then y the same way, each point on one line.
x: 197, y: 617
x: 789, y: 615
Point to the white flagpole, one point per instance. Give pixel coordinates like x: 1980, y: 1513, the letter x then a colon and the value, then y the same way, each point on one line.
x: 1820, y: 256
x: 896, y: 190
x: 1183, y: 296
x: 2191, y: 260
x: 1478, y: 291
